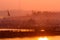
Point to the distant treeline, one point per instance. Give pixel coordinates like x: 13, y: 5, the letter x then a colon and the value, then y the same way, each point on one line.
x: 38, y: 20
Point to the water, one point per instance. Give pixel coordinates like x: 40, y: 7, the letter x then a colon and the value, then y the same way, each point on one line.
x: 33, y: 38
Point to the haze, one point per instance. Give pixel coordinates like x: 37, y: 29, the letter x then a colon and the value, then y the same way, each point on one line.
x: 43, y: 5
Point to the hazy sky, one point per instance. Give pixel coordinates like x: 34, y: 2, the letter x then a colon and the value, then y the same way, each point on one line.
x: 48, y: 5
x: 9, y: 4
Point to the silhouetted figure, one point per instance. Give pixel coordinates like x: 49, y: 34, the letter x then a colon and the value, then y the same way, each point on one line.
x: 8, y: 13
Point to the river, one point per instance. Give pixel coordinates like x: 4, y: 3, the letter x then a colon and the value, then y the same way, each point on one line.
x: 34, y: 38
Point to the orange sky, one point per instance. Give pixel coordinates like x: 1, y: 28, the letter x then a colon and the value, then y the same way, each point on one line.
x: 50, y: 5
x: 9, y: 4
x: 43, y: 5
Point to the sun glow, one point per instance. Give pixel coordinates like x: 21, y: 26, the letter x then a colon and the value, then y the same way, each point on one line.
x: 43, y: 38
x: 42, y: 30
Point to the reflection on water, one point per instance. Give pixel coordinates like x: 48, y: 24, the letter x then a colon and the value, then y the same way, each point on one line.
x: 35, y: 38
x: 43, y: 38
